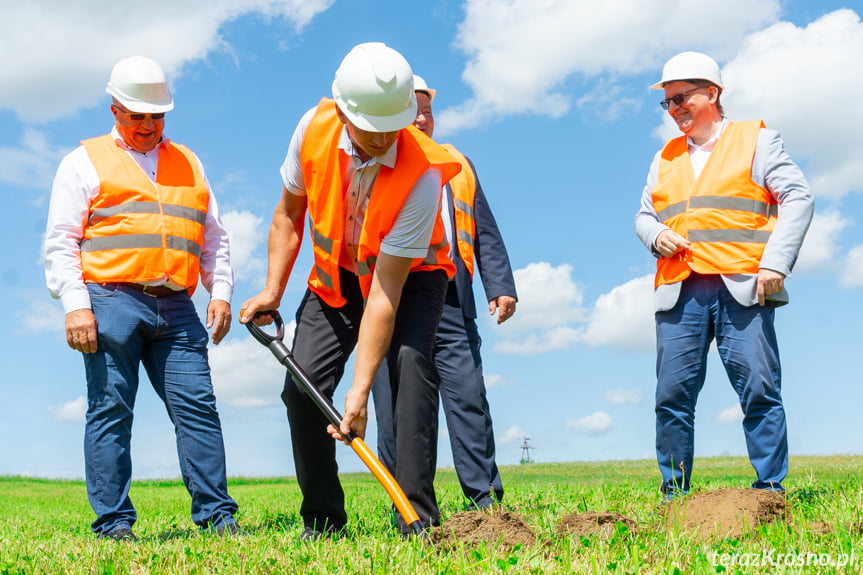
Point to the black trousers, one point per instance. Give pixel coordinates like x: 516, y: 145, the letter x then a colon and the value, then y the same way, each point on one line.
x: 324, y: 339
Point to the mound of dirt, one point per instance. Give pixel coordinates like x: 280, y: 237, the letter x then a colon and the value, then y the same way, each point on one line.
x: 500, y: 529
x: 724, y: 513
x: 592, y: 523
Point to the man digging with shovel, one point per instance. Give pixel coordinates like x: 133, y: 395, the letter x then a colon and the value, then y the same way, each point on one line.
x: 371, y: 186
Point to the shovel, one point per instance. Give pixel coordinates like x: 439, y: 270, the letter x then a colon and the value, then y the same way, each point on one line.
x: 283, y: 354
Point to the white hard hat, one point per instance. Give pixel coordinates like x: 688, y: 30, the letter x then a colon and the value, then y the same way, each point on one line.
x: 690, y: 66
x: 139, y: 84
x: 374, y: 88
x: 421, y: 86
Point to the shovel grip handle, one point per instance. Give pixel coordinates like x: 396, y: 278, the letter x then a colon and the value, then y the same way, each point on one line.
x: 264, y: 337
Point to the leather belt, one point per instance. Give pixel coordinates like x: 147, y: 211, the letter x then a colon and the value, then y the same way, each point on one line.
x: 154, y: 291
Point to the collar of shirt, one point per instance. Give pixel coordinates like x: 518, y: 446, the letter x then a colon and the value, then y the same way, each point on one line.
x: 709, y: 144
x: 122, y: 143
x: 698, y: 155
x: 388, y: 159
x: 147, y: 161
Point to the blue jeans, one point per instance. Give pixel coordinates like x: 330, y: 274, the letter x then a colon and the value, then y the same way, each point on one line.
x: 167, y: 336
x: 747, y: 346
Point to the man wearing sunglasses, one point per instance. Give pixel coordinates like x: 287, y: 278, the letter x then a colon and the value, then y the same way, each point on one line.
x: 131, y: 225
x: 724, y: 211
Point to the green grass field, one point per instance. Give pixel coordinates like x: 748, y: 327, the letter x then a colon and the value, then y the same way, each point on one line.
x: 44, y: 526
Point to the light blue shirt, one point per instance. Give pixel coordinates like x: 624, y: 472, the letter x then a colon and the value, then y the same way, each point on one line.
x: 773, y: 169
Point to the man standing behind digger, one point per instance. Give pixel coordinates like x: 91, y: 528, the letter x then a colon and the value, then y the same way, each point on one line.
x: 472, y: 233
x: 132, y: 224
x: 371, y: 185
x: 725, y: 211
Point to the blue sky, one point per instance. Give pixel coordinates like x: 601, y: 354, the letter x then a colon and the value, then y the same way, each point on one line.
x: 551, y: 100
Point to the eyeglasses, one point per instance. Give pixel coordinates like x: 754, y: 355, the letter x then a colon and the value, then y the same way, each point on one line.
x: 678, y: 99
x: 137, y: 117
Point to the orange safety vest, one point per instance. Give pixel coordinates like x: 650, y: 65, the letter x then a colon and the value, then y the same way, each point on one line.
x: 463, y: 187
x: 323, y: 166
x: 140, y: 231
x: 725, y: 215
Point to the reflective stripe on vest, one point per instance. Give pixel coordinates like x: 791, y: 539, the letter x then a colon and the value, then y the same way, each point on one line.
x: 323, y: 163
x: 726, y: 216
x: 135, y: 241
x: 141, y: 231
x: 139, y: 207
x: 464, y: 193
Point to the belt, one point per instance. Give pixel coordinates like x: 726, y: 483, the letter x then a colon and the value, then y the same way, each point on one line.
x: 154, y: 291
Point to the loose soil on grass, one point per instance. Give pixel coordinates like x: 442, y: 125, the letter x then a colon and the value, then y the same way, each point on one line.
x: 601, y: 524
x: 825, y: 528
x: 500, y: 529
x: 723, y: 513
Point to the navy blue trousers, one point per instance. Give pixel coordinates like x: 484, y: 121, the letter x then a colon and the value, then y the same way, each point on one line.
x: 746, y: 341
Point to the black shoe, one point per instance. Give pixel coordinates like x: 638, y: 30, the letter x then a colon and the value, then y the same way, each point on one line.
x: 310, y: 535
x: 230, y: 530
x: 120, y: 534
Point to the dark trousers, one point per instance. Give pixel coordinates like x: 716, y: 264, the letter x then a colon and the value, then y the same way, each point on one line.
x: 468, y: 416
x: 323, y: 342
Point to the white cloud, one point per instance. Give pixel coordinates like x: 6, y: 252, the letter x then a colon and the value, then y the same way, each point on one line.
x: 623, y: 318
x: 551, y: 315
x: 497, y: 380
x: 74, y: 410
x: 247, y: 374
x: 608, y: 101
x: 820, y: 248
x: 593, y: 424
x: 246, y: 233
x: 798, y: 81
x: 32, y: 165
x: 732, y: 414
x: 618, y: 396
x: 852, y: 274
x: 547, y: 297
x: 41, y: 316
x: 521, y: 51
x: 75, y: 60
x: 512, y: 435
x: 549, y: 300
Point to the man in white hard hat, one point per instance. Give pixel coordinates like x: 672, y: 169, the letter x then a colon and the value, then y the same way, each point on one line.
x: 371, y: 186
x: 472, y: 233
x: 131, y: 225
x: 724, y: 211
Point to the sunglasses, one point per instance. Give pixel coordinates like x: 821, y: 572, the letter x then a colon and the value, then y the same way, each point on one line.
x: 137, y: 117
x: 678, y: 99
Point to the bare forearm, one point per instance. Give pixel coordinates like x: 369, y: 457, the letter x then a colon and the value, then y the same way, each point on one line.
x: 283, y: 246
x: 376, y: 330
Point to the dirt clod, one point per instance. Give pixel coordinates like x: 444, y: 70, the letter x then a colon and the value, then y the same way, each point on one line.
x: 500, y: 529
x: 724, y: 513
x: 602, y: 524
x: 827, y: 528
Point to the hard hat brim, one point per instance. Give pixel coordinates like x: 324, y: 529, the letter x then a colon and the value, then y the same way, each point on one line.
x: 371, y: 123
x: 661, y: 84
x: 428, y: 91
x: 140, y: 106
